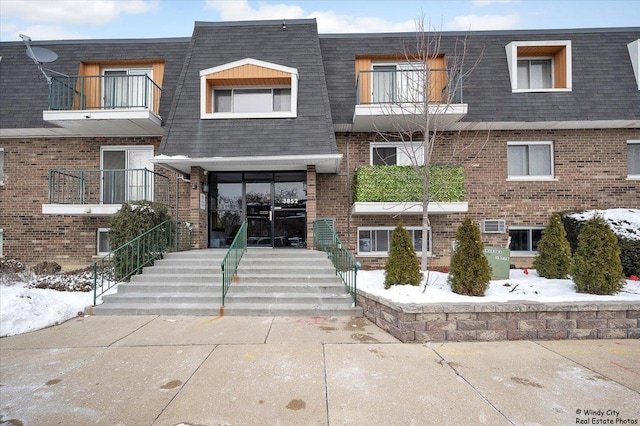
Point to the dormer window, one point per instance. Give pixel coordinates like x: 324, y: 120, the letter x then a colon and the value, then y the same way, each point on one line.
x: 249, y: 89
x: 539, y: 66
x: 634, y: 55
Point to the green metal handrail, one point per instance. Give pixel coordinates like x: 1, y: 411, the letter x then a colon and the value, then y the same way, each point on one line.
x: 129, y: 259
x: 326, y: 239
x: 232, y: 259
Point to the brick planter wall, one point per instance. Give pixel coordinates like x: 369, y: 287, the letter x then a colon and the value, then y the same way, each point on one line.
x: 503, y: 321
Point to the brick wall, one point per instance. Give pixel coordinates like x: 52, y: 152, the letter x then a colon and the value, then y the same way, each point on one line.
x: 31, y: 236
x: 590, y: 172
x: 503, y: 321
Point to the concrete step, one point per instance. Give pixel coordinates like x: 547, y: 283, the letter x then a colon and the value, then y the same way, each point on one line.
x: 169, y: 287
x: 288, y: 298
x: 157, y: 309
x: 152, y: 277
x: 290, y: 288
x: 211, y: 298
x: 291, y: 310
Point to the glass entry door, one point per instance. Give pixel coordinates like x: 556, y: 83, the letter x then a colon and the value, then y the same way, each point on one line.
x: 259, y: 214
x: 273, y: 203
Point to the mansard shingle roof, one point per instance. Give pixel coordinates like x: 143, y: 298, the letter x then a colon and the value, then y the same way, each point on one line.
x: 604, y: 86
x: 23, y: 89
x: 296, y: 46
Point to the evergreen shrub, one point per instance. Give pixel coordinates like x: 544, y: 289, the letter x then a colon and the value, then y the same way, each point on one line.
x: 597, y: 267
x: 403, y: 266
x: 554, y: 252
x: 470, y: 272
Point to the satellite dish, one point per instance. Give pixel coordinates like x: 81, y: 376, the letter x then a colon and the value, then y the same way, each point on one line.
x: 42, y: 55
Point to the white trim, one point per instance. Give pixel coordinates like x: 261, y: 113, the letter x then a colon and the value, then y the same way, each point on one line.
x: 101, y: 230
x: 204, y: 87
x: 511, y: 51
x: 634, y: 55
x: 248, y: 61
x: 550, y: 177
x: 390, y: 228
x: 81, y: 209
x: 406, y: 151
x: 629, y: 176
x: 525, y: 253
x: 408, y: 208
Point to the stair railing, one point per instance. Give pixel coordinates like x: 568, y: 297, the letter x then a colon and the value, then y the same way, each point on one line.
x: 232, y: 259
x: 326, y: 239
x: 129, y: 259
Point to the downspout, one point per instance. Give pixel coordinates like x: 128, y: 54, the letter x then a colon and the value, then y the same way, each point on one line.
x: 349, y: 195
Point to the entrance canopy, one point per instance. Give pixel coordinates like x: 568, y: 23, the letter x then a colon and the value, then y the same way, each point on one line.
x: 325, y: 163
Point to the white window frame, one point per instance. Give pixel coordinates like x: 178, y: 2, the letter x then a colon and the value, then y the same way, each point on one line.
x: 550, y: 177
x: 101, y: 231
x: 234, y: 88
x: 406, y: 152
x: 406, y: 85
x: 512, y: 62
x: 629, y: 175
x: 147, y: 70
x: 634, y: 55
x: 205, y: 88
x: 390, y: 229
x: 127, y: 149
x: 525, y: 253
x: 537, y: 58
x: 1, y: 166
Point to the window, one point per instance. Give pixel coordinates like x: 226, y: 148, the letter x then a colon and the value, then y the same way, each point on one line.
x: 633, y: 159
x: 376, y: 240
x: 530, y: 160
x: 248, y: 88
x: 251, y: 100
x: 124, y: 177
x: 103, y: 242
x: 127, y: 88
x: 536, y: 66
x: 524, y: 240
x: 534, y: 74
x: 400, y: 154
x: 1, y: 166
x: 1, y: 238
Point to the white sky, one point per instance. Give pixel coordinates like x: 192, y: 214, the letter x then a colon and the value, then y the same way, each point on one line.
x: 72, y: 19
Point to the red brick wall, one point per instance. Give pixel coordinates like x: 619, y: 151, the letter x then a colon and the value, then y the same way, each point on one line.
x: 31, y: 236
x: 590, y: 172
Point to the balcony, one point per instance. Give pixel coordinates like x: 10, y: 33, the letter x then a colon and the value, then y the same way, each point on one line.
x: 388, y: 100
x: 392, y: 190
x: 102, y: 192
x: 105, y: 105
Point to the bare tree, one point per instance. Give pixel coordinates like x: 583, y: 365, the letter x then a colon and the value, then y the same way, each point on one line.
x: 419, y: 100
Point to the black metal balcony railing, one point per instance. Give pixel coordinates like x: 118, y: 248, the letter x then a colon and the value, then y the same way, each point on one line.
x: 107, y: 186
x: 92, y: 92
x: 437, y: 86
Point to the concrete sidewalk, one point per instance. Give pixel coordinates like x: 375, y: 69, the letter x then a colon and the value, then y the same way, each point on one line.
x: 298, y: 371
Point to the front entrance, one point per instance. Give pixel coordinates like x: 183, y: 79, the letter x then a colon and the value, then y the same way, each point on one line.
x: 274, y: 205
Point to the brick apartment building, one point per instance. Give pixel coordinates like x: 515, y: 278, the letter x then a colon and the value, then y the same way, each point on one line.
x: 280, y: 126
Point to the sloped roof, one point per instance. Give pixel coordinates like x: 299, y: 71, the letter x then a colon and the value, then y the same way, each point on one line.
x: 24, y: 91
x: 604, y: 86
x: 214, y: 44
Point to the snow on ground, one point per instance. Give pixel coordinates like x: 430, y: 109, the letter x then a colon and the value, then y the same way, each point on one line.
x: 27, y: 309
x: 520, y: 286
x: 623, y: 222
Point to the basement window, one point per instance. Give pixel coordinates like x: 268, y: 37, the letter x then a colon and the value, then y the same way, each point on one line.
x: 103, y: 242
x: 377, y: 240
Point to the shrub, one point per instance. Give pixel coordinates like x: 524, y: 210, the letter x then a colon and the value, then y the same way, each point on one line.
x: 554, y: 252
x: 130, y: 222
x: 470, y: 271
x: 597, y: 266
x: 402, y: 267
x: 629, y: 256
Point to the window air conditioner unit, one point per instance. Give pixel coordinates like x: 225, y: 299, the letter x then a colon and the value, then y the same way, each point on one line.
x: 493, y: 226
